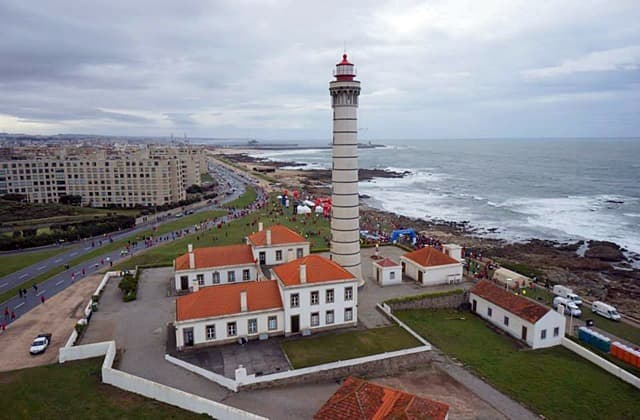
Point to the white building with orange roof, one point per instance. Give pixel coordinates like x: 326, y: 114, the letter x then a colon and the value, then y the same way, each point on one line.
x: 387, y: 272
x: 212, y: 266
x: 429, y: 267
x: 277, y: 244
x: 317, y: 294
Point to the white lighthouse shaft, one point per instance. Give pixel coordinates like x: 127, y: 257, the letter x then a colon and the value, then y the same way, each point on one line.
x: 345, y: 223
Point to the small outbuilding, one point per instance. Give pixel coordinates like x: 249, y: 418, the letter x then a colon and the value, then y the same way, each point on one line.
x: 429, y: 267
x: 522, y: 318
x: 510, y: 278
x: 387, y: 272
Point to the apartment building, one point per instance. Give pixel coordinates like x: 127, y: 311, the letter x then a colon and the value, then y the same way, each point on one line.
x: 103, y: 176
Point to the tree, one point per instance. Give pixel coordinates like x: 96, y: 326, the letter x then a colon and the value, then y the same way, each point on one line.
x: 70, y: 200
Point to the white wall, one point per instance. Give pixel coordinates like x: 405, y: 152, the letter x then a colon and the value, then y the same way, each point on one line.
x: 208, y: 275
x: 548, y: 322
x: 270, y: 252
x: 305, y: 308
x: 442, y: 274
x: 241, y: 320
x: 385, y: 275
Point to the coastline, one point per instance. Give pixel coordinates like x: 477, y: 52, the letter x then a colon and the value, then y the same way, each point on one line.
x: 597, y: 269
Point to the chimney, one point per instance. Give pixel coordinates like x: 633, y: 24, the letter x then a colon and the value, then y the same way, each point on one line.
x: 268, y: 236
x: 243, y: 301
x: 303, y: 273
x: 192, y: 257
x: 260, y: 226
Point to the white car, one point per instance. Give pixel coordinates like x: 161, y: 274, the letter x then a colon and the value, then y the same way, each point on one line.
x: 40, y: 344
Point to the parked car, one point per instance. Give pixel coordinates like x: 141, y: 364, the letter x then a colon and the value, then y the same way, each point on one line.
x: 566, y: 292
x: 605, y: 310
x: 178, y: 215
x: 570, y: 308
x: 40, y: 343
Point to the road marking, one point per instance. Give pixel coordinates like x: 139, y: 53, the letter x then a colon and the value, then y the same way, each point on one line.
x: 40, y: 292
x: 23, y: 276
x: 59, y: 283
x: 42, y: 267
x: 18, y: 305
x: 58, y: 260
x: 4, y: 285
x: 73, y: 254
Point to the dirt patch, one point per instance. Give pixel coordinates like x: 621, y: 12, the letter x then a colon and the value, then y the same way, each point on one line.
x: 431, y: 382
x: 57, y: 316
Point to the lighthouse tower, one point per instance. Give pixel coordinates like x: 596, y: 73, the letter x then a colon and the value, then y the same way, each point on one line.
x: 345, y: 223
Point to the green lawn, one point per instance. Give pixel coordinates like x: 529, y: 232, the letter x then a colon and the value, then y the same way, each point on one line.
x: 14, y: 262
x: 303, y: 352
x: 554, y: 382
x: 206, y: 177
x: 246, y: 198
x: 74, y: 391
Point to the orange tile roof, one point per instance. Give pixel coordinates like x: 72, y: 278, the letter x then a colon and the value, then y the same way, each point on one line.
x: 518, y: 305
x: 387, y: 262
x: 279, y: 235
x: 430, y: 257
x: 217, y: 256
x: 225, y: 300
x: 357, y: 399
x: 319, y: 269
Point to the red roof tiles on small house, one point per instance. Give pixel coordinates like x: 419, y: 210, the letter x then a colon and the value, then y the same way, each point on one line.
x: 430, y: 257
x: 517, y: 305
x: 217, y: 256
x: 279, y: 235
x: 357, y: 399
x: 318, y: 269
x: 387, y: 262
x: 225, y: 300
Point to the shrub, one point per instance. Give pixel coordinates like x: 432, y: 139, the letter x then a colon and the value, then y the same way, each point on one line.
x: 424, y: 296
x: 95, y: 298
x: 129, y: 286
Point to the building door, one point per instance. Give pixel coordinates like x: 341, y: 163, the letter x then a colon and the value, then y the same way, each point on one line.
x: 474, y: 305
x: 524, y: 333
x: 188, y: 336
x: 404, y: 267
x: 262, y: 256
x: 420, y: 275
x: 184, y: 283
x: 295, y: 324
x: 378, y: 275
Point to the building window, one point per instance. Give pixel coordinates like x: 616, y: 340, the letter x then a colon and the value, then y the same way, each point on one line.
x: 315, y: 298
x: 315, y: 319
x: 556, y: 331
x: 392, y: 275
x: 211, y: 332
x: 329, y: 296
x: 252, y: 326
x: 489, y: 312
x: 279, y: 255
x: 216, y: 277
x: 348, y: 314
x: 272, y: 323
x: 329, y: 318
x: 506, y: 321
x: 231, y: 276
x: 231, y: 329
x: 200, y: 278
x: 299, y: 253
x: 295, y: 300
x: 348, y: 293
x: 245, y: 275
x: 543, y: 334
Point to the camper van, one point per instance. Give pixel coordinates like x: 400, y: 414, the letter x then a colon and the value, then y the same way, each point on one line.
x: 570, y: 308
x: 605, y: 310
x: 567, y: 293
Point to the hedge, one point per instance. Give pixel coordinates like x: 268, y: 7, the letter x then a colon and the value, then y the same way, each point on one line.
x: 424, y: 296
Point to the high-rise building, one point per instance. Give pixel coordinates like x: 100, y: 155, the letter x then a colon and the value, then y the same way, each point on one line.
x: 345, y: 223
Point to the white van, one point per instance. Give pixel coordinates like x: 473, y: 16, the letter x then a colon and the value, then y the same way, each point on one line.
x: 570, y: 308
x: 565, y: 292
x: 605, y: 310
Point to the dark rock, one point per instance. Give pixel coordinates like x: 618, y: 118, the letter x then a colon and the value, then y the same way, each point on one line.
x: 605, y: 251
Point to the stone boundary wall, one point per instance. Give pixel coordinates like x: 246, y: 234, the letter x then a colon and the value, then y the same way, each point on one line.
x: 603, y: 363
x: 432, y: 302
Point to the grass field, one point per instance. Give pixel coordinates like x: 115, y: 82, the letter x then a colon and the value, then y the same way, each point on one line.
x: 554, y: 382
x: 74, y: 391
x: 14, y: 262
x: 26, y: 214
x: 303, y: 352
x: 246, y: 198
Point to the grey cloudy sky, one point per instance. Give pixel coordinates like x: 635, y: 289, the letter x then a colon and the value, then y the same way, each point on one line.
x: 261, y: 68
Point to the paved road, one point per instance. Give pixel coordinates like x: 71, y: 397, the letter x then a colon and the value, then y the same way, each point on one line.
x: 57, y: 283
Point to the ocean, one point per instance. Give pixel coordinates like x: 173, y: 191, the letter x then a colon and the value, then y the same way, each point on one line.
x: 513, y: 189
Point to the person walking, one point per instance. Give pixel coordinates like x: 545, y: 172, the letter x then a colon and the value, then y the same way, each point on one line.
x: 24, y: 293
x: 35, y: 288
x: 6, y: 312
x: 42, y: 299
x: 13, y: 315
x: 20, y: 293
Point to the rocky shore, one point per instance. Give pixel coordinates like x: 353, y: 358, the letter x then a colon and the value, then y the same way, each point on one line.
x: 598, y: 270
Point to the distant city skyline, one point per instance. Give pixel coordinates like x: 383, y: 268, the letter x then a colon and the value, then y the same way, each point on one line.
x: 454, y: 69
